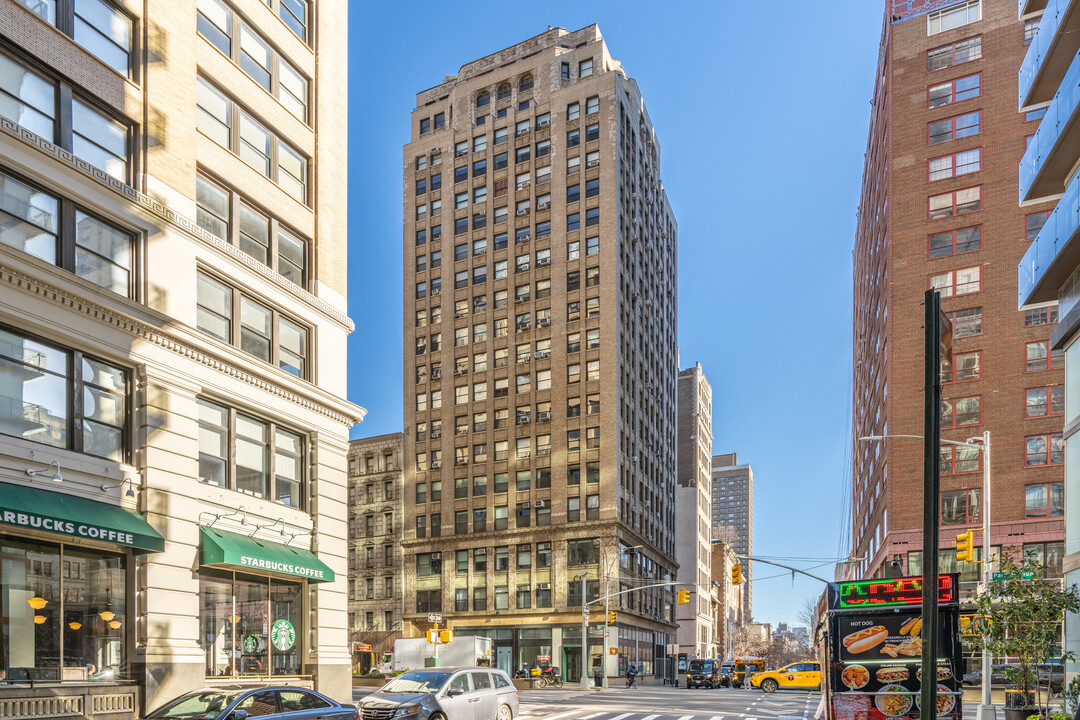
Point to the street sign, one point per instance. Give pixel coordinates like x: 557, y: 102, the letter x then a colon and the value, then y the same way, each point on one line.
x: 438, y: 618
x: 585, y: 610
x: 1026, y: 575
x: 431, y: 617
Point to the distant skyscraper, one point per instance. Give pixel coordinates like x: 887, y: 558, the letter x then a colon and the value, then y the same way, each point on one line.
x: 733, y: 516
x: 693, y: 508
x: 540, y: 358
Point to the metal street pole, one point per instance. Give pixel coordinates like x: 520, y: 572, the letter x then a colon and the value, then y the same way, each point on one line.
x: 986, y: 710
x: 931, y: 485
x: 584, y: 636
x: 607, y: 613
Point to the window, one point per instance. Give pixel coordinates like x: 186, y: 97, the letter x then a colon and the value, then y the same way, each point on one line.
x: 256, y: 329
x: 525, y: 83
x: 219, y: 25
x: 1036, y: 114
x: 565, y: 71
x: 573, y: 138
x: 229, y: 216
x: 573, y: 474
x: 592, y: 307
x: 1033, y: 223
x: 953, y: 16
x: 958, y: 202
x: 1041, y: 357
x: 592, y: 132
x: 521, y: 154
x: 582, y: 552
x: 224, y: 122
x: 965, y: 366
x: 954, y: 165
x: 573, y: 111
x: 573, y: 221
x: 592, y: 104
x: 585, y: 68
x: 592, y: 187
x: 955, y: 54
x: 1045, y: 500
x: 427, y: 564
x: 98, y: 26
x: 953, y: 459
x: 1040, y: 315
x: 57, y: 231
x: 573, y: 164
x: 592, y: 438
x: 592, y: 159
x: 957, y: 90
x: 954, y: 242
x: 543, y: 120
x: 63, y: 398
x: 1045, y: 450
x: 480, y: 593
x: 250, y: 455
x: 483, y: 98
x: 440, y: 123
x: 967, y: 322
x: 953, y: 128
x: 543, y: 174
x: 573, y: 440
x: 960, y: 412
x: 1041, y: 402
x: 1031, y: 26
x: 961, y: 507
x: 425, y: 125
x: 958, y: 282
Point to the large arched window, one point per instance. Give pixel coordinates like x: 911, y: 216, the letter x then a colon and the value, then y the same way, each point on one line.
x: 483, y: 98
x: 503, y: 91
x: 525, y: 83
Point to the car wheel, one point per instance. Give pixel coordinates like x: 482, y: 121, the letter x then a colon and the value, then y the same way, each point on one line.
x: 505, y: 713
x: 769, y: 685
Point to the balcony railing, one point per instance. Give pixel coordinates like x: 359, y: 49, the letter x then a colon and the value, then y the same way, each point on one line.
x: 1044, y: 267
x: 1050, y: 52
x: 1054, y: 148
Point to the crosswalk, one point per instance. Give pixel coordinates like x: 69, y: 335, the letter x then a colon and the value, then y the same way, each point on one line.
x: 796, y: 708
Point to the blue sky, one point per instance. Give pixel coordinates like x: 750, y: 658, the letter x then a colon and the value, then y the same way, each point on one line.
x: 762, y: 111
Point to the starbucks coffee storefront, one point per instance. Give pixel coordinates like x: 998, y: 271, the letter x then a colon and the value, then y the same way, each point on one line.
x: 253, y: 614
x: 67, y: 599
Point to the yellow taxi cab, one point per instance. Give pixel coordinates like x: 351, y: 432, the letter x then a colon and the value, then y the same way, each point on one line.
x: 800, y: 675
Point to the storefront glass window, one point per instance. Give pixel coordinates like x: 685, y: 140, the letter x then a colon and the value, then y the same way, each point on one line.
x: 63, y: 612
x: 251, y: 626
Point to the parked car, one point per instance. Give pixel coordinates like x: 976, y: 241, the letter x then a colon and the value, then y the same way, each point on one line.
x: 801, y: 676
x: 704, y: 672
x: 999, y: 676
x: 461, y: 693
x: 238, y: 702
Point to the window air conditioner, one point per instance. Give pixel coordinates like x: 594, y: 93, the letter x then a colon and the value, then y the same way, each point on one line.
x: 436, y: 291
x: 543, y: 206
x: 436, y: 465
x: 436, y: 434
x: 543, y: 586
x: 540, y: 353
x: 543, y: 416
x: 543, y: 261
x: 436, y: 556
x: 522, y: 211
x: 540, y: 503
x: 543, y: 123
x: 543, y: 322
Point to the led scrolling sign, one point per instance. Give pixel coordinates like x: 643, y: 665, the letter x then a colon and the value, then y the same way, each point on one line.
x: 891, y: 593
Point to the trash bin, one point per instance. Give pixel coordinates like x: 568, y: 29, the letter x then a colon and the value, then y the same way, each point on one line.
x: 1019, y: 699
x: 598, y: 678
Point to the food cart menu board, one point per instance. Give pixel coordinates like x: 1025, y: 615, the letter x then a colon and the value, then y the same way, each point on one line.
x: 879, y: 673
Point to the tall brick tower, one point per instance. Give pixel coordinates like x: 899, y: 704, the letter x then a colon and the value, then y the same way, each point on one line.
x: 938, y: 209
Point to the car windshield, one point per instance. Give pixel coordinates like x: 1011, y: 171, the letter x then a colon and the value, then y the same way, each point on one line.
x: 697, y: 666
x: 203, y: 705
x: 417, y: 682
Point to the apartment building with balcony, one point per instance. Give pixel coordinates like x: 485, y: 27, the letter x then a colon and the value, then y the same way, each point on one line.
x: 540, y: 359
x: 1049, y: 273
x: 172, y: 327
x: 693, y: 507
x: 938, y: 210
x: 376, y: 508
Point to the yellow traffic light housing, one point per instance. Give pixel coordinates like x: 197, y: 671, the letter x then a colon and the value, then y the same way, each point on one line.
x: 611, y: 618
x: 684, y: 597
x: 965, y: 547
x: 736, y: 574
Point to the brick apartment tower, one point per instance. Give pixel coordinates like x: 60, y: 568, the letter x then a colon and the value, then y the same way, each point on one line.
x: 733, y: 517
x: 693, y: 499
x: 540, y: 357
x: 938, y: 209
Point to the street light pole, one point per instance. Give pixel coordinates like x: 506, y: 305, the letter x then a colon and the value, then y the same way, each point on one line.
x: 986, y: 710
x: 584, y: 636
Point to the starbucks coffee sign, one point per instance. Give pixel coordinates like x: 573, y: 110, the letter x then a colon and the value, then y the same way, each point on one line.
x: 282, y: 635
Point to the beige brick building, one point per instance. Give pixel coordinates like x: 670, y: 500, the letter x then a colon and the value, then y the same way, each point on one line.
x: 172, y: 328
x: 733, y: 516
x: 540, y: 358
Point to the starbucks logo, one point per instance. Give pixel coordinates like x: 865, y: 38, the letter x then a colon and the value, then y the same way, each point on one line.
x: 282, y: 635
x: 250, y: 644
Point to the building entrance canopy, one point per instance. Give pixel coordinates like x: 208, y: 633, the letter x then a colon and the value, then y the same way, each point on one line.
x: 34, y: 509
x: 229, y: 550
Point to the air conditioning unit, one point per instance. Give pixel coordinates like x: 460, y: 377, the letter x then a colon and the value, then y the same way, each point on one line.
x: 463, y: 431
x: 543, y: 416
x: 436, y: 556
x: 543, y: 261
x: 543, y: 205
x: 592, y: 163
x: 543, y: 124
x: 520, y: 132
x: 523, y: 327
x: 436, y: 373
x: 540, y: 353
x: 435, y: 150
x: 524, y: 359
x: 524, y: 454
x: 543, y: 322
x: 540, y: 503
x: 523, y: 184
x: 544, y: 451
x: 460, y: 371
x: 521, y: 299
x: 522, y: 211
x: 481, y: 212
x: 543, y: 586
x: 436, y: 434
x: 462, y: 461
x: 523, y: 420
x: 436, y: 291
x: 522, y: 267
x: 436, y: 465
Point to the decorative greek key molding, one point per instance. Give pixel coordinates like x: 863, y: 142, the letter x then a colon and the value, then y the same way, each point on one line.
x: 100, y: 313
x: 170, y: 216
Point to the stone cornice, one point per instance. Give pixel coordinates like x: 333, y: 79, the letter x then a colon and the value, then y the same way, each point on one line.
x: 148, y: 333
x: 169, y: 216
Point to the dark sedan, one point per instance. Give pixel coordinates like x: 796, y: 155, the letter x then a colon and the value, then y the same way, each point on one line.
x: 240, y: 703
x: 1000, y: 676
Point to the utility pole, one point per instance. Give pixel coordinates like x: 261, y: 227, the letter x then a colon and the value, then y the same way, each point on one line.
x: 584, y: 636
x: 986, y: 710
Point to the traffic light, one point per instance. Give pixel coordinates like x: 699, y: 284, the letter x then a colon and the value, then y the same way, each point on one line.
x: 611, y: 617
x: 684, y: 597
x: 965, y: 546
x: 736, y: 574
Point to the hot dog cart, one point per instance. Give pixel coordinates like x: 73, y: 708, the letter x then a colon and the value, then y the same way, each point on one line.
x: 870, y: 640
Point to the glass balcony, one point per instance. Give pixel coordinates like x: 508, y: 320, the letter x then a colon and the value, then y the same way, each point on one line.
x: 1055, y: 252
x: 1051, y: 51
x: 1031, y: 6
x: 1055, y: 147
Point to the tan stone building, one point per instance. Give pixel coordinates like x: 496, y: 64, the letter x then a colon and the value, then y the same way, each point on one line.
x: 728, y: 615
x: 693, y: 500
x: 540, y: 358
x: 172, y: 328
x: 376, y: 508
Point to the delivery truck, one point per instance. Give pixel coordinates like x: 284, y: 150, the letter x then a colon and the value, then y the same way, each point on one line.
x: 465, y: 650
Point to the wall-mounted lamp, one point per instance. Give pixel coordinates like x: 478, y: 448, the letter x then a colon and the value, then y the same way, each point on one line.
x: 107, y: 614
x: 260, y: 526
x: 74, y: 624
x: 114, y: 624
x: 37, y: 602
x: 130, y: 492
x: 39, y: 619
x: 55, y: 477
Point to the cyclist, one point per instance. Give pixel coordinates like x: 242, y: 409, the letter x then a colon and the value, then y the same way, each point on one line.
x: 631, y: 675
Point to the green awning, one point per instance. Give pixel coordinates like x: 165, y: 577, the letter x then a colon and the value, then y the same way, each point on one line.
x: 57, y: 512
x: 233, y: 551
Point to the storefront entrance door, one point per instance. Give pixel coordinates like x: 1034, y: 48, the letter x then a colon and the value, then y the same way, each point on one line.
x: 571, y: 663
x: 503, y: 659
